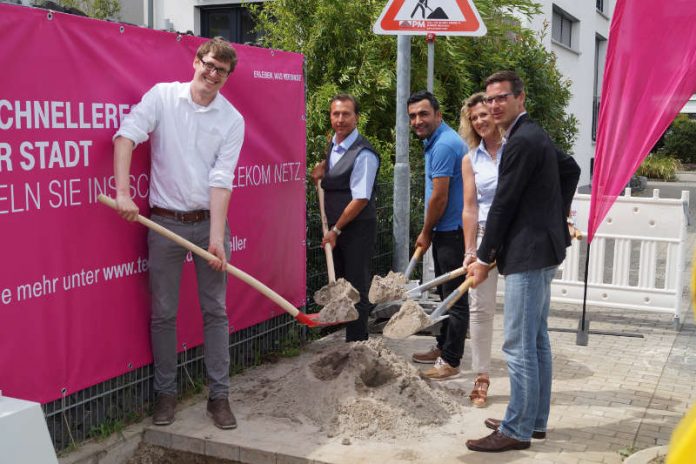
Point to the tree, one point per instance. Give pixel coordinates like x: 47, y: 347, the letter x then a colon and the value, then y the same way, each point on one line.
x: 680, y: 139
x: 100, y: 9
x: 343, y: 54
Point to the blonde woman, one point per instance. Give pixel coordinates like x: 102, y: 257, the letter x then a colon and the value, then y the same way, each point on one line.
x: 480, y: 176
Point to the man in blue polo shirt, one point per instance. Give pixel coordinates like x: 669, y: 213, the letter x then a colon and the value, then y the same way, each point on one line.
x: 442, y: 226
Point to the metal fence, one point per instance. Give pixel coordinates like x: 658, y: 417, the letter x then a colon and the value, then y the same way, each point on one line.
x: 104, y: 408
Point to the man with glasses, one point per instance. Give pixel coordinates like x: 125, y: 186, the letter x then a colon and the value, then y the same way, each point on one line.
x: 526, y: 235
x: 442, y: 226
x: 196, y: 136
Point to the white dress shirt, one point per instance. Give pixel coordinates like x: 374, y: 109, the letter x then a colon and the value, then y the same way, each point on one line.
x: 362, y: 178
x: 193, y: 147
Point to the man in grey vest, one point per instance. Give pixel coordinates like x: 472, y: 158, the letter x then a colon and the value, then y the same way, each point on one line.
x: 348, y: 177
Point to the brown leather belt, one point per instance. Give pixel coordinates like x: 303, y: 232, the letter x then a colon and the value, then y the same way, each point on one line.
x: 185, y: 217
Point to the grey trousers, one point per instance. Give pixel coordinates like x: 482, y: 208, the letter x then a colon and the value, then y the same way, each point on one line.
x: 166, y: 259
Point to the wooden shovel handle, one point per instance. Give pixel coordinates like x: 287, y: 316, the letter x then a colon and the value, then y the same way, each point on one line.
x: 414, y: 259
x: 325, y: 229
x: 193, y: 248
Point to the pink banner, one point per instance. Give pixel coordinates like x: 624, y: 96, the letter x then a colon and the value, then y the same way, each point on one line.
x: 74, y: 302
x: 649, y: 76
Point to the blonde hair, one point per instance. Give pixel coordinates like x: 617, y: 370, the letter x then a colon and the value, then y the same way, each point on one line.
x: 466, y: 130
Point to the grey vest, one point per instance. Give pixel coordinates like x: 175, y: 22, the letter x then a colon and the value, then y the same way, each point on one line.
x: 336, y: 183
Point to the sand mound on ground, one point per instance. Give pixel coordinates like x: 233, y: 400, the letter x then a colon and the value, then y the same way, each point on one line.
x: 357, y: 390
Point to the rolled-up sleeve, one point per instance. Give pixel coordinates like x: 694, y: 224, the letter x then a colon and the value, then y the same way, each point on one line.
x: 362, y: 178
x: 142, y: 119
x: 222, y: 173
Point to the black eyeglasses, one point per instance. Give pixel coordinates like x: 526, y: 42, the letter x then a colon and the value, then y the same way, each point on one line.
x: 497, y: 98
x: 211, y: 68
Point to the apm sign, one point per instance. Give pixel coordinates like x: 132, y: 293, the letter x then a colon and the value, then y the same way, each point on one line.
x: 422, y: 17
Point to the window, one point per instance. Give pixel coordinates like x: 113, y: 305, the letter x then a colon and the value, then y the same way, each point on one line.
x: 600, y: 55
x: 562, y: 26
x: 600, y: 5
x: 233, y: 22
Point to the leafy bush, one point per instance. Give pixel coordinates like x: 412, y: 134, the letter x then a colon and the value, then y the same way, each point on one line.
x: 343, y: 54
x: 680, y: 140
x: 657, y: 166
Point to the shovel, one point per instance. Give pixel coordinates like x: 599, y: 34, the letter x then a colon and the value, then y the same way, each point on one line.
x: 391, y: 286
x: 412, y: 319
x: 416, y: 292
x: 310, y: 320
x: 339, y: 296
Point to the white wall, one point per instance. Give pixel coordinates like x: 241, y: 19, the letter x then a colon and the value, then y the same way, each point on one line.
x: 184, y: 15
x: 577, y: 65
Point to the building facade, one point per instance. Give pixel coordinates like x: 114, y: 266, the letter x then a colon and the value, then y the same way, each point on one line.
x: 577, y: 33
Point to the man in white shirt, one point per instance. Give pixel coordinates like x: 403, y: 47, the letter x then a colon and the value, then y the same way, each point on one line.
x: 348, y: 176
x: 195, y: 138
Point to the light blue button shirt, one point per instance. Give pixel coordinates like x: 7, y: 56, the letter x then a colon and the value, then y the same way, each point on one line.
x: 486, y: 175
x: 362, y: 178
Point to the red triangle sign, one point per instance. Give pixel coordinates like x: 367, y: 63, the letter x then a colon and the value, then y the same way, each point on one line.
x: 421, y: 17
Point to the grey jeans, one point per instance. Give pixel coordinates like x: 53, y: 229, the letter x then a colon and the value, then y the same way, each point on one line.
x: 166, y: 259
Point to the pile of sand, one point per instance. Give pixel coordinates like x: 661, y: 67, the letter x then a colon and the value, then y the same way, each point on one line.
x: 409, y: 320
x: 357, y: 390
x: 387, y: 288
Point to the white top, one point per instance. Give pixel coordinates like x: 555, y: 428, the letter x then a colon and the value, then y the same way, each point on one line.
x: 486, y: 175
x: 193, y: 147
x: 362, y: 178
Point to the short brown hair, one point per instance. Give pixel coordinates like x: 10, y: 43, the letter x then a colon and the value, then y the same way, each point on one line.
x: 466, y: 130
x: 516, y: 84
x: 343, y: 97
x: 221, y: 50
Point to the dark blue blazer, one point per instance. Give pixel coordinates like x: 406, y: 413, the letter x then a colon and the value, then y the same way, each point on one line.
x: 526, y: 228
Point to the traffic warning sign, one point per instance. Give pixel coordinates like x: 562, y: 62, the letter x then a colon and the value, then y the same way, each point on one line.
x: 421, y: 17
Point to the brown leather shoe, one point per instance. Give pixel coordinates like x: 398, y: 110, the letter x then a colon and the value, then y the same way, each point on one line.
x: 494, y: 424
x: 219, y: 409
x: 165, y: 407
x: 427, y: 357
x: 496, y: 442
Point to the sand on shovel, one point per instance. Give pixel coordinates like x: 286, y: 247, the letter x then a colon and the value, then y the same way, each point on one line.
x: 335, y: 290
x: 351, y: 390
x: 339, y: 309
x: 409, y: 320
x: 388, y: 288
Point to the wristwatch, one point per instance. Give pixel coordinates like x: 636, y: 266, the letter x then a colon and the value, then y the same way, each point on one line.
x: 336, y: 231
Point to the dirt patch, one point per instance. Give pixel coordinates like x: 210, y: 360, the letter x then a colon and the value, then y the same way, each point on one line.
x: 387, y: 288
x: 409, y: 320
x: 355, y: 390
x: 150, y: 454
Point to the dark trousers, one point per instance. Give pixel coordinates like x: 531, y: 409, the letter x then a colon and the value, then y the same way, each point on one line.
x: 354, y: 249
x: 448, y: 254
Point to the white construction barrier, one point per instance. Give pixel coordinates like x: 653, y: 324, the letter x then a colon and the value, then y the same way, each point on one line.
x: 24, y: 437
x: 637, y: 256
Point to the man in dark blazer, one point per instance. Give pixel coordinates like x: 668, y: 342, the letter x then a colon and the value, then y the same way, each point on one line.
x: 526, y: 235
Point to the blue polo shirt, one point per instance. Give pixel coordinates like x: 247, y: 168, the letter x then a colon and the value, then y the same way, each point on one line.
x: 444, y: 151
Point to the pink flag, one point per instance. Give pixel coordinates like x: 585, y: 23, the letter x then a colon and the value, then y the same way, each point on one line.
x: 649, y: 76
